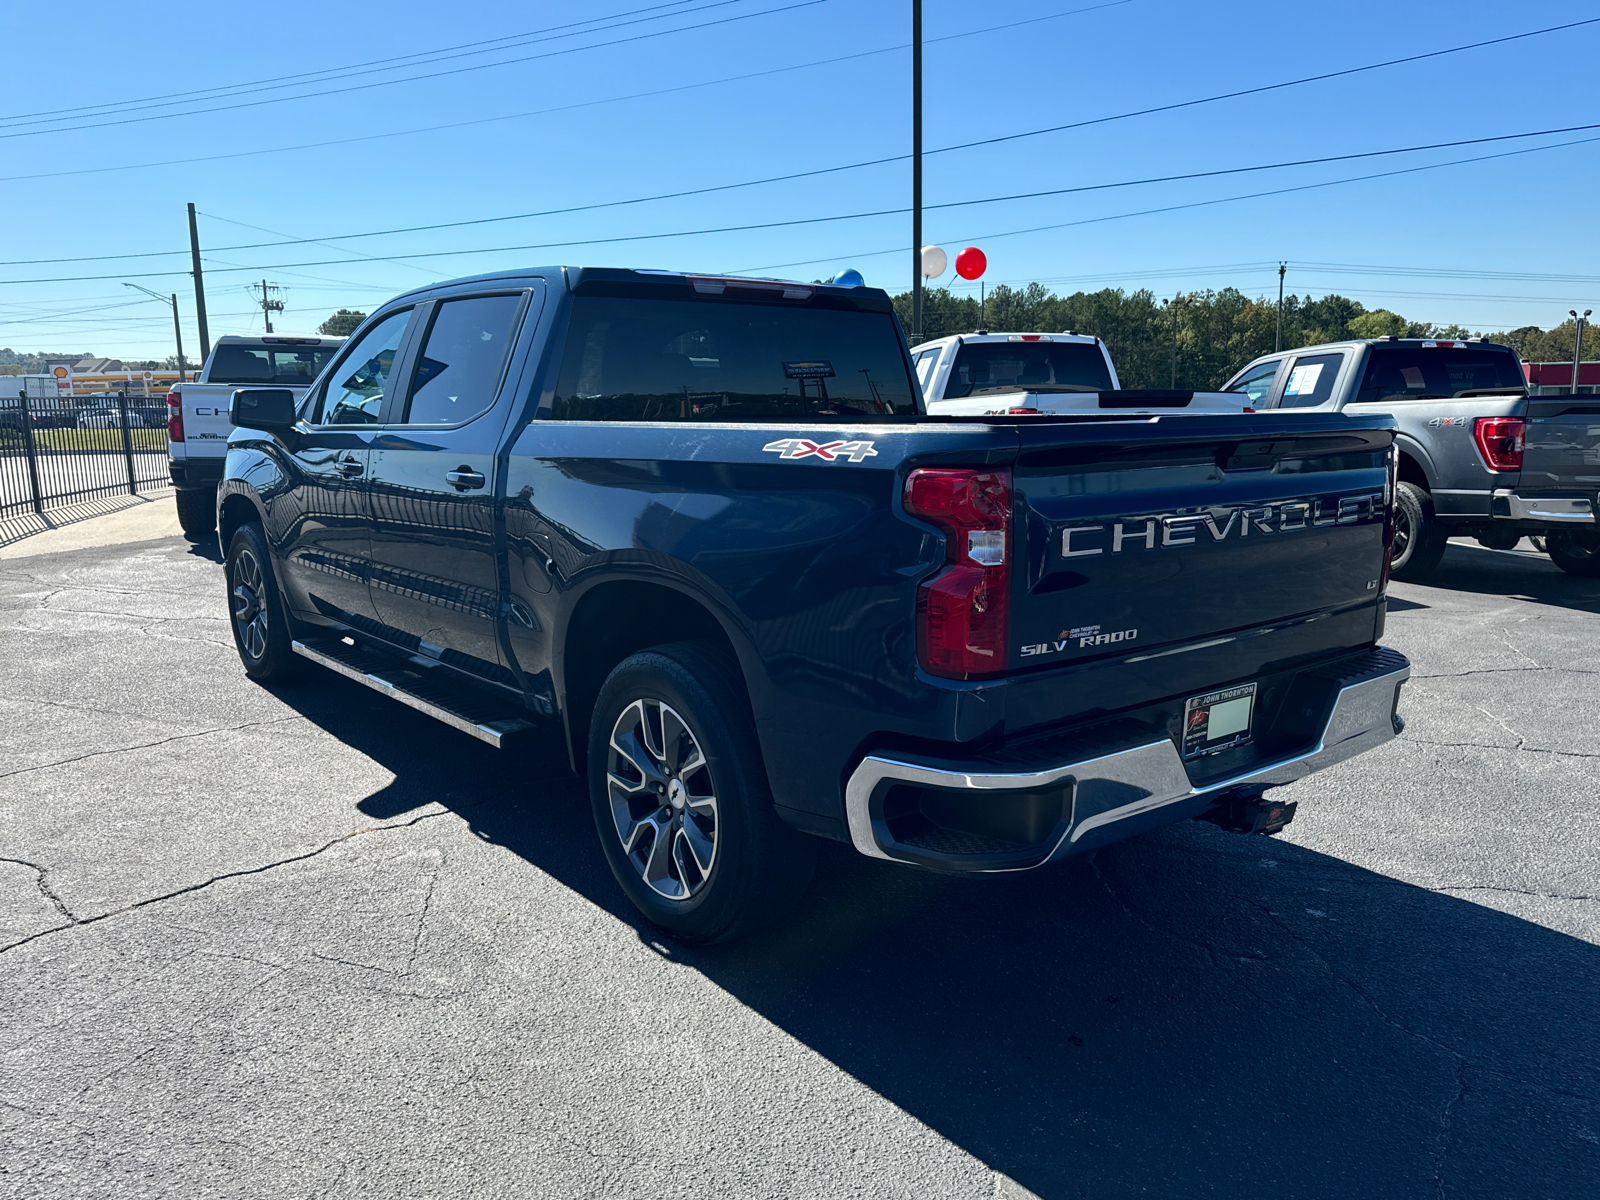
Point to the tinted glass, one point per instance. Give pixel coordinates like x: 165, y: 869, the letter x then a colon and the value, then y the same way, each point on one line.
x: 985, y: 368
x: 684, y: 360
x: 1256, y: 383
x: 1311, y: 379
x: 354, y: 395
x: 924, y: 364
x: 258, y: 365
x: 1427, y: 373
x: 456, y: 373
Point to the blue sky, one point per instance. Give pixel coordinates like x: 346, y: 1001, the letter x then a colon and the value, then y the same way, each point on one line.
x: 1491, y: 244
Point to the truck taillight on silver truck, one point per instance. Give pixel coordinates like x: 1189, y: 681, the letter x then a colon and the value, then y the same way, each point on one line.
x: 963, y: 611
x: 174, y: 417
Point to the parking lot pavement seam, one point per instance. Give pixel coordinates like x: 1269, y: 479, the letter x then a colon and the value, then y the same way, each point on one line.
x: 1504, y: 671
x: 176, y: 737
x: 196, y: 887
x: 45, y: 889
x: 1416, y: 741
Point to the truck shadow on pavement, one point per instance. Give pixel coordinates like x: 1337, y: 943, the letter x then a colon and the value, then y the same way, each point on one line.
x: 1188, y: 1013
x: 1516, y: 574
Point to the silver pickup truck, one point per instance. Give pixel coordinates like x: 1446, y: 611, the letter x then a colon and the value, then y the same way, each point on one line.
x: 197, y: 413
x: 1479, y: 456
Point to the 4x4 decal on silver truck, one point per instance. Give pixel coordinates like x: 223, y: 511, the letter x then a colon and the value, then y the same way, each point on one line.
x: 826, y: 451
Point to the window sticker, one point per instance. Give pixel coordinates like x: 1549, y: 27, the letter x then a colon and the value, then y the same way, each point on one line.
x: 1413, y: 377
x: 1303, y: 380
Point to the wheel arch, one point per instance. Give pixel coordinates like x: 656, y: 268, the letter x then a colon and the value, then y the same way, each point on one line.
x: 1415, y: 465
x: 619, y: 617
x: 235, y: 508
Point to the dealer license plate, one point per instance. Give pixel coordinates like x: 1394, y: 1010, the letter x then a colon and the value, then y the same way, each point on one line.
x: 1218, y: 720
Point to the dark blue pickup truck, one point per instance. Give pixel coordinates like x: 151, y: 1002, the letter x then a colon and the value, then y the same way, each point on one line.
x: 704, y: 527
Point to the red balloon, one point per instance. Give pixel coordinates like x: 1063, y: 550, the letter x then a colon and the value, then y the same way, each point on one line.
x: 971, y: 263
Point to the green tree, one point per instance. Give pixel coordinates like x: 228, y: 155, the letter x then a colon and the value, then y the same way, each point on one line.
x: 342, y: 324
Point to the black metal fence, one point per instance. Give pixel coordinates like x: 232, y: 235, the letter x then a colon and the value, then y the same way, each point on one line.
x: 51, y: 457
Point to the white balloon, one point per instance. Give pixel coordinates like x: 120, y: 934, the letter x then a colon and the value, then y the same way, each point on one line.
x: 934, y: 262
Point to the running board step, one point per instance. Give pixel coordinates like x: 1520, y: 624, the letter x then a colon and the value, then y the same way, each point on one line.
x: 455, y: 706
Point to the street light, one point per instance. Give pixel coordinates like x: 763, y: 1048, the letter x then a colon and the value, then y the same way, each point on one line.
x: 177, y: 332
x: 1577, y: 342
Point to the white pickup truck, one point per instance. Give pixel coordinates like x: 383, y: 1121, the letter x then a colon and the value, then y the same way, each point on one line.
x: 197, y: 413
x: 985, y: 374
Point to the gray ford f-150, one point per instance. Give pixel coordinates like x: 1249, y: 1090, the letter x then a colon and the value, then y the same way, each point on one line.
x: 704, y: 529
x: 1479, y: 457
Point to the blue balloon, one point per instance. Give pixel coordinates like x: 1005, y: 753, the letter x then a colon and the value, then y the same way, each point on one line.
x: 849, y: 277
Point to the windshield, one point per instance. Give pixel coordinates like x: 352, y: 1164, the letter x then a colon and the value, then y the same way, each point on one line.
x: 630, y: 359
x: 1428, y: 373
x: 985, y: 368
x: 257, y: 364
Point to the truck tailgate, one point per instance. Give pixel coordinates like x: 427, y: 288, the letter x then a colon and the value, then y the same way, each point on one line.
x: 1562, y: 446
x: 1136, y: 541
x: 205, y: 418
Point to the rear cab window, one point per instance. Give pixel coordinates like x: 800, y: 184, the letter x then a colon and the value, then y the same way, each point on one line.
x: 268, y: 366
x: 457, y: 373
x: 1310, y: 380
x: 989, y: 368
x: 1439, y: 373
x: 648, y: 357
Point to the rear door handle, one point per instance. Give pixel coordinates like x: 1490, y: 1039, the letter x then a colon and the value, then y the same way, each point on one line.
x: 349, y: 467
x: 464, y: 479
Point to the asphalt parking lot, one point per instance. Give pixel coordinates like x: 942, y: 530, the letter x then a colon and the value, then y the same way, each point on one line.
x: 307, y: 942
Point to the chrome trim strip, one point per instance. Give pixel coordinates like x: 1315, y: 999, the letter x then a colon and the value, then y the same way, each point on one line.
x: 493, y: 732
x: 1576, y: 508
x: 1361, y: 720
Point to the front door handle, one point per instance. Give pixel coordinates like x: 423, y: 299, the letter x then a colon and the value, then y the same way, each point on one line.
x: 464, y: 479
x: 349, y: 467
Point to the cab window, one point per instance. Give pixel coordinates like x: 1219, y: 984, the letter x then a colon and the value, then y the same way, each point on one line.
x: 1310, y: 380
x: 354, y: 395
x: 1256, y: 383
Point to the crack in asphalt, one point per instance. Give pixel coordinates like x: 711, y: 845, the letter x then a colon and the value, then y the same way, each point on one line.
x: 42, y: 881
x: 1416, y: 741
x: 176, y: 737
x: 422, y: 917
x: 1447, y: 1129
x: 1504, y: 671
x: 196, y: 887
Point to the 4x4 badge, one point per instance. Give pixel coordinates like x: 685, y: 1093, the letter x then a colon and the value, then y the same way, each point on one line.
x: 826, y: 451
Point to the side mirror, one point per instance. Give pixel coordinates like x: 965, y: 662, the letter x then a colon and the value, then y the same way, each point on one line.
x: 269, y: 409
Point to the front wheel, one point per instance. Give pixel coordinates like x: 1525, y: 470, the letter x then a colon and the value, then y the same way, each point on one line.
x: 197, y: 513
x: 1575, y: 551
x: 681, y: 800
x: 260, y: 626
x: 1419, y: 539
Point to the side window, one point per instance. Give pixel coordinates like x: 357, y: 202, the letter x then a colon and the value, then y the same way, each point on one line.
x: 460, y: 363
x: 354, y: 395
x: 1256, y: 383
x: 924, y: 363
x: 1311, y: 380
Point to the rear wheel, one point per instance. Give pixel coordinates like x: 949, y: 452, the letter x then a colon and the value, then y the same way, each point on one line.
x: 1577, y: 552
x: 197, y: 512
x: 681, y: 800
x: 1419, y: 539
x: 261, y: 628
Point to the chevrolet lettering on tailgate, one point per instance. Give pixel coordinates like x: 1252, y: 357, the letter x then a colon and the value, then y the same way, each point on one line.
x: 1176, y: 530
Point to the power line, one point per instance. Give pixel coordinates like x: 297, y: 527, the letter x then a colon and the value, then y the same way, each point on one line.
x: 1187, y: 176
x: 360, y: 87
x: 540, y: 112
x: 856, y: 216
x: 273, y: 79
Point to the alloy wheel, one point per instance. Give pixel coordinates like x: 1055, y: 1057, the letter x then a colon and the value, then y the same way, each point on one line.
x: 249, y: 604
x: 662, y: 799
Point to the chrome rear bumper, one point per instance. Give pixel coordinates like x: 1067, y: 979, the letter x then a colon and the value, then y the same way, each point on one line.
x: 1505, y: 504
x: 1115, y: 792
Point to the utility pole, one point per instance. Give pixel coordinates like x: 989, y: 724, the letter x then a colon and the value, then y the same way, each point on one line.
x: 916, y: 171
x: 1278, y: 341
x: 199, y: 288
x: 1577, y: 342
x: 268, y: 305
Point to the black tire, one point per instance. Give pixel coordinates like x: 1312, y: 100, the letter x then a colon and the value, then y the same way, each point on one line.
x: 197, y: 512
x: 1419, y: 539
x: 754, y: 866
x: 1575, y: 551
x: 261, y: 628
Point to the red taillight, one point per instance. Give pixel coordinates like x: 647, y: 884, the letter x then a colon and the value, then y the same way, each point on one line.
x: 963, y: 611
x: 1017, y: 412
x: 174, y: 417
x: 1500, y: 442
